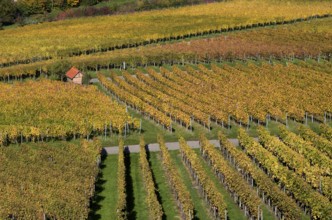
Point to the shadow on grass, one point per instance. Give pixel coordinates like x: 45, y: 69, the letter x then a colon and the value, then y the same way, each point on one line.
x: 160, y: 200
x: 129, y: 186
x: 99, y: 187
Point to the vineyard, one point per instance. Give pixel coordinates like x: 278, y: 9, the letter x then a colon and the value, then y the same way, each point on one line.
x: 215, y: 111
x: 88, y: 35
x: 45, y: 110
x: 48, y: 181
x: 303, y: 40
x: 242, y: 93
x: 226, y: 181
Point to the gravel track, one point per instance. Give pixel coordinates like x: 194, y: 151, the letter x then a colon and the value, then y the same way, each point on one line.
x: 155, y: 146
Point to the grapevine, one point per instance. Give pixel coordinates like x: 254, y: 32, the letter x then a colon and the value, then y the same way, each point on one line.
x: 233, y: 180
x: 268, y: 190
x: 155, y: 209
x: 182, y: 195
x: 121, y: 209
x: 207, y: 187
x: 320, y: 207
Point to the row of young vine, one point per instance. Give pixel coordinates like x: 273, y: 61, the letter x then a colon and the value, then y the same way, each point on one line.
x: 220, y: 93
x: 121, y: 209
x: 181, y: 193
x: 319, y: 142
x: 135, y: 102
x: 155, y: 208
x: 284, y: 206
x: 207, y: 188
x: 311, y: 152
x: 313, y: 203
x: 241, y: 192
x: 314, y: 175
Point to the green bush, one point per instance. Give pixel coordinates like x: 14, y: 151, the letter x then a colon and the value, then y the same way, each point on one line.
x: 58, y: 69
x: 8, y: 12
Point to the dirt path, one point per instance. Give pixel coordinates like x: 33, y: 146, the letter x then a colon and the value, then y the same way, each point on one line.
x: 155, y: 146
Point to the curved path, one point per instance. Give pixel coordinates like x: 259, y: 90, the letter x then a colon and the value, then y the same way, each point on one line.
x: 155, y: 146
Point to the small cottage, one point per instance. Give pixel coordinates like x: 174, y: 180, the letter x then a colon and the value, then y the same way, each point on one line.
x: 74, y: 76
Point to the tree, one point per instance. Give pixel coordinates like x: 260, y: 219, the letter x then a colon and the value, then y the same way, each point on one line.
x: 49, y: 4
x: 59, y: 69
x: 29, y: 7
x: 8, y: 12
x: 89, y: 2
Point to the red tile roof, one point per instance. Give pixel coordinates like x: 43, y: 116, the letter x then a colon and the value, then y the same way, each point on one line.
x: 72, y: 72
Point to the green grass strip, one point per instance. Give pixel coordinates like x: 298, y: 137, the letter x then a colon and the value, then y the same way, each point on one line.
x: 137, y: 202
x: 104, y: 205
x: 201, y: 211
x: 164, y: 190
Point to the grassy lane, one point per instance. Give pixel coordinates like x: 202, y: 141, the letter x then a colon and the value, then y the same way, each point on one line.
x: 136, y: 202
x: 234, y: 212
x: 267, y: 212
x: 104, y: 206
x: 201, y: 211
x: 164, y: 190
